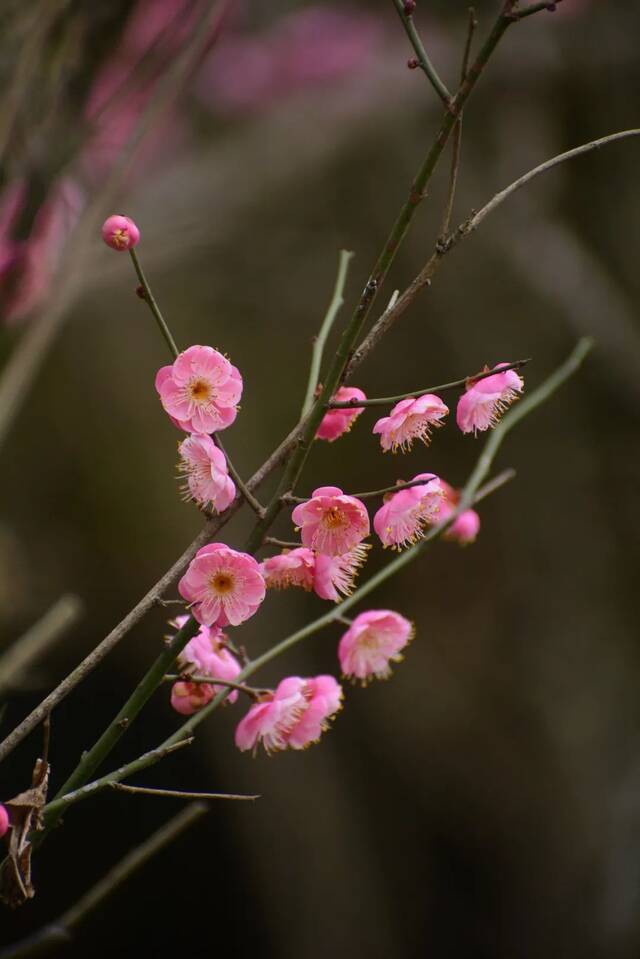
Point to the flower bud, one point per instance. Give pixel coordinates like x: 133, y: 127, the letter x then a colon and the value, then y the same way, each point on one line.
x: 4, y: 820
x: 120, y: 233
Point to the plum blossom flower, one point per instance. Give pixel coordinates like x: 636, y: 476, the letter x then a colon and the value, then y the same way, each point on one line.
x: 200, y: 390
x: 4, y: 820
x: 293, y: 717
x: 205, y: 655
x: 222, y: 585
x: 466, y: 526
x: 331, y: 522
x: 372, y: 642
x: 120, y: 233
x: 335, y: 575
x: 486, y: 400
x: 205, y: 467
x: 189, y: 698
x: 401, y: 520
x: 409, y: 420
x: 291, y: 567
x: 336, y: 423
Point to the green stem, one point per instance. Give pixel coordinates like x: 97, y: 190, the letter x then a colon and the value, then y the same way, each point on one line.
x: 440, y: 388
x: 425, y: 63
x: 337, y: 300
x: 149, y: 299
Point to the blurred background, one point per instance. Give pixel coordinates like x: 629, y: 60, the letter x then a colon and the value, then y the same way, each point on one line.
x: 485, y: 802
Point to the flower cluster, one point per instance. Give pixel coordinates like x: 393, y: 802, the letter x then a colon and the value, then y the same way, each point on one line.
x: 200, y: 391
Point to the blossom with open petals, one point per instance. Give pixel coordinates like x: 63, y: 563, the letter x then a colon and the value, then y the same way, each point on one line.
x: 222, y: 585
x: 291, y: 567
x: 331, y: 522
x: 335, y: 576
x: 120, y: 233
x: 466, y: 526
x: 372, y: 643
x: 205, y: 467
x: 402, y: 518
x: 336, y: 423
x: 292, y: 717
x: 486, y: 400
x: 200, y: 390
x: 409, y: 420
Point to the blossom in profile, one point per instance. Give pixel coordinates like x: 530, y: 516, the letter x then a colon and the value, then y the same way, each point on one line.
x: 205, y: 467
x: 292, y: 717
x: 373, y: 641
x: 222, y: 585
x: 291, y: 567
x: 335, y: 576
x: 409, y: 420
x: 200, y: 390
x: 4, y: 820
x: 402, y: 518
x: 466, y: 526
x: 336, y: 423
x: 487, y: 399
x: 207, y: 654
x: 120, y: 232
x: 331, y: 522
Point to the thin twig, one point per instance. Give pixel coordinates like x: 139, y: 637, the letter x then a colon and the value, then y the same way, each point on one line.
x: 549, y: 5
x: 174, y: 793
x: 425, y: 64
x: 457, y: 133
x: 257, y: 507
x: 42, y: 636
x: 214, y: 681
x: 370, y: 494
x: 440, y: 388
x: 284, y: 543
x: 337, y: 300
x: 150, y: 300
x: 61, y: 931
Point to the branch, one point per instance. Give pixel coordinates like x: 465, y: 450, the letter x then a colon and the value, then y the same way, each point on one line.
x: 440, y: 388
x: 149, y: 299
x: 257, y: 507
x: 213, y: 681
x: 549, y: 5
x: 332, y: 311
x: 62, y: 930
x: 405, y: 14
x: 370, y: 494
x: 174, y: 793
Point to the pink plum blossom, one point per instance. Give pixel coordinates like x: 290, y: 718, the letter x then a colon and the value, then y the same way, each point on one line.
x: 205, y: 467
x: 401, y: 520
x: 486, y: 400
x: 206, y: 654
x: 372, y: 642
x: 292, y: 567
x: 336, y: 423
x: 331, y: 522
x: 200, y: 390
x: 222, y: 585
x: 335, y: 575
x: 189, y: 698
x: 4, y: 820
x: 466, y: 526
x: 120, y: 232
x: 409, y: 420
x: 292, y: 717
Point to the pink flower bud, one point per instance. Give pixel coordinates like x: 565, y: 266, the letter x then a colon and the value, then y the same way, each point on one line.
x: 120, y: 233
x: 4, y: 820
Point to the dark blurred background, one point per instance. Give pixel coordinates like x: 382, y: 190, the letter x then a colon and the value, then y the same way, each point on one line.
x: 485, y: 802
